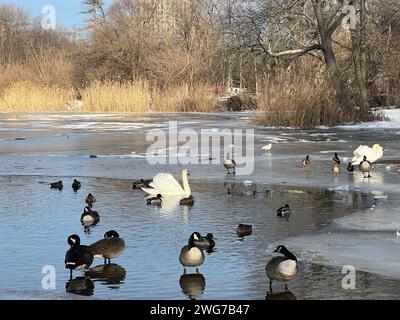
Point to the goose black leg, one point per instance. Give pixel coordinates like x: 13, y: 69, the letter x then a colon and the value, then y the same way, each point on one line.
x: 270, y: 286
x: 105, y: 261
x: 197, y: 270
x: 70, y: 274
x: 184, y: 270
x: 286, y: 287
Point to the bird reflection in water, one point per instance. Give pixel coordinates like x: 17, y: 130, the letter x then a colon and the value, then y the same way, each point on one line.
x: 111, y: 275
x: 193, y: 285
x: 82, y: 286
x: 286, y: 295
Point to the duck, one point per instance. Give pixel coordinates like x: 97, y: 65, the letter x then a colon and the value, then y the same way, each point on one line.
x: 78, y: 257
x: 89, y: 217
x: 350, y: 167
x: 336, y: 168
x: 111, y: 247
x: 90, y: 199
x: 139, y: 184
x: 192, y: 256
x: 155, y: 201
x: 373, y: 154
x: 76, y: 185
x: 57, y: 185
x: 306, y: 162
x: 230, y: 164
x: 284, y: 212
x: 268, y: 147
x: 336, y: 159
x: 244, y: 230
x: 366, y: 167
x: 206, y: 242
x: 282, y: 269
x: 166, y: 184
x: 187, y: 201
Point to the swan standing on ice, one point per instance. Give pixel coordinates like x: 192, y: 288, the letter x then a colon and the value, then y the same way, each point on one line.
x: 166, y: 184
x: 373, y: 154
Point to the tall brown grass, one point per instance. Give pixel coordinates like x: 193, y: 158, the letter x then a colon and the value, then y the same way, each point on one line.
x: 105, y: 97
x: 301, y: 97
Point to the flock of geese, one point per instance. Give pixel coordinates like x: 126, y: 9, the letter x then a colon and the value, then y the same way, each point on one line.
x: 281, y: 268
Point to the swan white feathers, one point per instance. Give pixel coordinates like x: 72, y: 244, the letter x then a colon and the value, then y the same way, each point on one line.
x: 373, y: 154
x: 268, y: 147
x: 166, y: 185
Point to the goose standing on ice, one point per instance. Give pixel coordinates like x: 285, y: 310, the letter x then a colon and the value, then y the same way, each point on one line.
x: 366, y: 167
x: 282, y: 269
x: 166, y: 184
x: 192, y: 256
x: 306, y: 162
x: 230, y: 164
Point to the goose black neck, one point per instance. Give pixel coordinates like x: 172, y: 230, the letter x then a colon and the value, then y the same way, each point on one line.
x: 288, y: 254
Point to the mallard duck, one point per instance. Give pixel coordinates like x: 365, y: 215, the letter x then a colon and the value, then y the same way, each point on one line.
x: 366, y: 167
x: 90, y: 217
x: 155, y: 201
x: 187, y: 201
x: 206, y: 242
x: 244, y: 230
x: 350, y: 167
x: 192, y: 256
x: 284, y: 212
x: 76, y: 185
x: 90, y: 199
x: 139, y: 184
x: 282, y: 269
x: 78, y: 257
x: 57, y: 185
x: 336, y: 159
x: 230, y: 164
x: 111, y: 247
x: 336, y: 169
x: 306, y: 162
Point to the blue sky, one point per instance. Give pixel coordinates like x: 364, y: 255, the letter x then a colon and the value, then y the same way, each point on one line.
x: 68, y: 11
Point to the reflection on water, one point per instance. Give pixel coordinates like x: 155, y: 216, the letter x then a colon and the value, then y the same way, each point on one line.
x: 108, y: 274
x: 82, y: 286
x: 193, y: 285
x: 286, y: 295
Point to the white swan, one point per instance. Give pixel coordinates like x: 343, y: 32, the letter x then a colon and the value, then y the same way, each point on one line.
x: 166, y: 185
x: 373, y: 154
x: 268, y: 147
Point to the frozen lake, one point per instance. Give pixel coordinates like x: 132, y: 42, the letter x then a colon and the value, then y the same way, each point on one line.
x: 336, y: 221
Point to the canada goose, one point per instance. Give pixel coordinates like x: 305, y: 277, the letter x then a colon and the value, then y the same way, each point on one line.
x: 336, y: 159
x: 90, y: 217
x: 192, y: 256
x: 206, y: 242
x: 155, y: 201
x: 57, y: 185
x: 336, y: 169
x: 366, y: 167
x: 90, y: 199
x: 111, y: 247
x: 187, y: 201
x: 244, y: 230
x: 141, y: 184
x: 282, y: 269
x: 350, y: 167
x: 76, y: 185
x: 230, y: 164
x: 306, y: 162
x: 284, y: 212
x: 78, y: 257
x: 166, y: 184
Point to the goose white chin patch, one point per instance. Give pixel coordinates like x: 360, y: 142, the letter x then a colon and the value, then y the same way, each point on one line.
x: 72, y: 240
